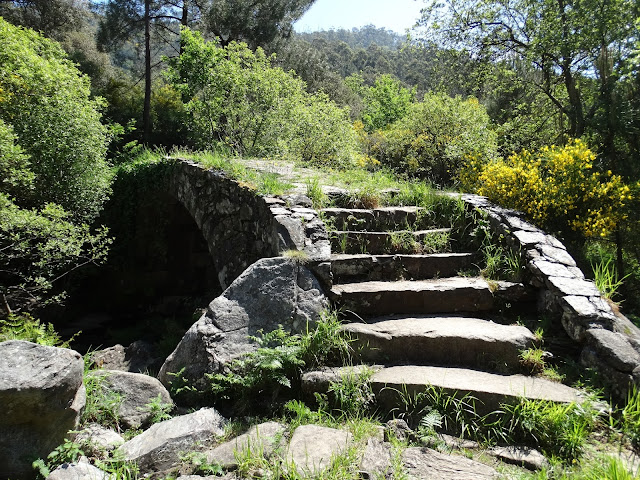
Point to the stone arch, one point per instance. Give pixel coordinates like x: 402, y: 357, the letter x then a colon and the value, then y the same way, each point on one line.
x: 237, y: 224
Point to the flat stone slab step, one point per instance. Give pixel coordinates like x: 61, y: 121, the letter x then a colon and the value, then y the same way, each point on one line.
x: 441, y: 340
x: 359, y: 267
x: 489, y: 389
x: 385, y: 218
x: 443, y: 295
x: 399, y: 241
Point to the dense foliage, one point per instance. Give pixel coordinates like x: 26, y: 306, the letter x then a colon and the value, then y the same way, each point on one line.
x: 558, y: 187
x: 47, y: 104
x: 237, y: 99
x: 435, y: 136
x: 54, y: 172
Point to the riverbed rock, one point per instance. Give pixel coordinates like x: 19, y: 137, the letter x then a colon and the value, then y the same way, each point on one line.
x: 81, y: 470
x: 96, y: 439
x: 160, y: 447
x: 138, y: 357
x: 41, y: 397
x: 271, y: 292
x: 522, y: 456
x: 312, y: 448
x: 137, y: 392
x: 262, y: 439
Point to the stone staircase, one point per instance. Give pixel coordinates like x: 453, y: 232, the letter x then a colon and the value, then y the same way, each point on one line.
x: 423, y: 317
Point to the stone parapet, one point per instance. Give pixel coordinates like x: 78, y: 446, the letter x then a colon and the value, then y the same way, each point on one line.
x: 610, y: 342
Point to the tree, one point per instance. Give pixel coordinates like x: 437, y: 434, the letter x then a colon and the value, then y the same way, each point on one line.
x: 158, y: 22
x: 47, y: 103
x: 54, y: 18
x: 52, y: 149
x: 258, y: 23
x: 238, y: 99
x: 384, y: 102
x: 551, y: 35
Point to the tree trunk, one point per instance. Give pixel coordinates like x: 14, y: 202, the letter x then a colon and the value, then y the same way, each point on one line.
x: 575, y: 111
x: 146, y: 113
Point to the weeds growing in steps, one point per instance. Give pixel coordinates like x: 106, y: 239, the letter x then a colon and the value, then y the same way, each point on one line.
x: 299, y: 257
x: 558, y: 429
x: 315, y: 193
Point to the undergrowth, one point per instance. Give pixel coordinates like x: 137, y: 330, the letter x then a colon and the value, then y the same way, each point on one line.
x: 22, y: 326
x: 560, y: 430
x: 261, y: 379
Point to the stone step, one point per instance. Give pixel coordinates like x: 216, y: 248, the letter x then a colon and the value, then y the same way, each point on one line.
x: 442, y: 295
x: 378, y: 219
x: 391, y: 384
x: 441, y: 340
x: 400, y: 241
x: 358, y: 267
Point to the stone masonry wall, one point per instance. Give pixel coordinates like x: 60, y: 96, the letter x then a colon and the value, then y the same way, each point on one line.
x: 241, y: 227
x: 610, y: 342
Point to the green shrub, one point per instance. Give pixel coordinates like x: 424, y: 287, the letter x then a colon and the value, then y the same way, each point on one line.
x: 385, y: 102
x: 46, y: 101
x: 16, y: 178
x: 237, y: 99
x: 274, y: 369
x: 434, y: 138
x: 558, y: 187
x: 24, y: 327
x: 38, y: 247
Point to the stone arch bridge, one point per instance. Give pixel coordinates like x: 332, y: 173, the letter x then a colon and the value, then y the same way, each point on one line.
x: 240, y: 228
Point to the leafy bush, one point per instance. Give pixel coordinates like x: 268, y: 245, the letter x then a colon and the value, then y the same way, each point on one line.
x: 275, y: 367
x: 434, y: 138
x: 384, y: 102
x: 560, y: 429
x: 46, y: 101
x: 238, y: 99
x: 558, y: 187
x: 38, y: 247
x: 24, y: 327
x: 15, y: 176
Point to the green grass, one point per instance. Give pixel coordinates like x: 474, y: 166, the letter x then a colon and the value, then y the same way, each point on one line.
x: 533, y: 360
x: 606, y: 278
x: 264, y: 183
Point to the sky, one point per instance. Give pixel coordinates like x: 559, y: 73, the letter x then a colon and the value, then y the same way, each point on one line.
x: 397, y: 15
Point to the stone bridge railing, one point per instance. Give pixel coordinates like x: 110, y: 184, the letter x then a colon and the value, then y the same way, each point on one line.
x: 610, y: 342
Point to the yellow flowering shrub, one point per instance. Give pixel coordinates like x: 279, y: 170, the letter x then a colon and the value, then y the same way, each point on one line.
x: 556, y: 186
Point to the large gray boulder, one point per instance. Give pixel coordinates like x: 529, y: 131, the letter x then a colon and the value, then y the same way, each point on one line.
x: 137, y: 391
x: 261, y: 440
x: 160, y: 447
x: 82, y: 470
x: 271, y: 292
x: 41, y: 397
x: 312, y: 448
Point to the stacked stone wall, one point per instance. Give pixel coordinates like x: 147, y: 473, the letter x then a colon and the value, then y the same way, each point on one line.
x: 610, y: 342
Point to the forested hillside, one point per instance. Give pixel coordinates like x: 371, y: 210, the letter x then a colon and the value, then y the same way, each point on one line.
x: 513, y: 100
